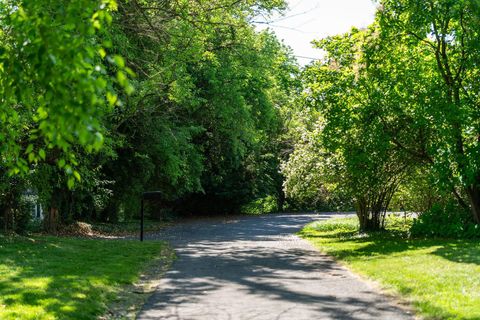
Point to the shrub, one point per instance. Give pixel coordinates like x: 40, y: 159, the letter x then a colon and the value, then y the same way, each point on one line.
x: 448, y: 221
x: 260, y: 206
x: 337, y: 225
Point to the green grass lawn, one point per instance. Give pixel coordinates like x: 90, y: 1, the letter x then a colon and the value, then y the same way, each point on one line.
x: 441, y: 277
x: 64, y: 278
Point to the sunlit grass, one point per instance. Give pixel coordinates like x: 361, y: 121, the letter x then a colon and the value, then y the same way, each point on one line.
x: 441, y: 277
x: 60, y: 278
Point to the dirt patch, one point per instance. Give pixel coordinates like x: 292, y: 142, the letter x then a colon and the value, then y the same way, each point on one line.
x: 78, y: 229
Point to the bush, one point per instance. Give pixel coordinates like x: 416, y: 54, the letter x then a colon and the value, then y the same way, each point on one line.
x: 22, y: 217
x: 260, y: 206
x: 448, y: 221
x: 337, y: 225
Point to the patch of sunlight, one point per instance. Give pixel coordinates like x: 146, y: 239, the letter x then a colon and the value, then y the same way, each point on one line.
x: 41, y: 283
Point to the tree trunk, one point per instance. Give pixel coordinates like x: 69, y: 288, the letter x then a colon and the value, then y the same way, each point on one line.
x: 280, y: 200
x: 473, y: 193
x: 368, y: 217
x: 7, y: 214
x: 52, y: 217
x: 51, y: 220
x: 371, y: 212
x: 362, y: 212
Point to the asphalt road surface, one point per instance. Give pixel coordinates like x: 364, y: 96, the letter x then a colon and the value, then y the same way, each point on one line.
x: 256, y: 268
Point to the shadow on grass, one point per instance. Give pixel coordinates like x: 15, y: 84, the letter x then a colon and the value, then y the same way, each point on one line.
x: 66, y: 278
x: 388, y: 242
x: 351, y: 246
x: 460, y: 251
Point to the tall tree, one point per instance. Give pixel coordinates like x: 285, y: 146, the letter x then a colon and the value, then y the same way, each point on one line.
x: 57, y: 80
x: 356, y: 129
x: 209, y: 90
x: 449, y: 31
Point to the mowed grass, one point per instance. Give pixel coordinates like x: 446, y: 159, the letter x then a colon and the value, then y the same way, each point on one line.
x: 440, y: 277
x: 64, y: 278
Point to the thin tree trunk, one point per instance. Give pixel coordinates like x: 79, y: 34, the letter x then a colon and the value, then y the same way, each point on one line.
x: 7, y: 212
x: 6, y: 218
x: 280, y: 200
x: 52, y: 218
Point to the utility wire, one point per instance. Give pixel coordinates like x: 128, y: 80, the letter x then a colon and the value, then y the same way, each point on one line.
x: 283, y: 27
x: 299, y: 2
x: 310, y: 58
x: 296, y: 14
x: 267, y: 21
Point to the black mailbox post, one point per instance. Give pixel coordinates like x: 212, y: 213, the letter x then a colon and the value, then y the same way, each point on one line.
x: 149, y: 195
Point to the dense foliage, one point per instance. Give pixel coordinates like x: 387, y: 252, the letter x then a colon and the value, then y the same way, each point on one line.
x: 389, y: 118
x: 103, y: 100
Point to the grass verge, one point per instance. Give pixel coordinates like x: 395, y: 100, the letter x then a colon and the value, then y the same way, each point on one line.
x: 65, y: 278
x: 440, y: 277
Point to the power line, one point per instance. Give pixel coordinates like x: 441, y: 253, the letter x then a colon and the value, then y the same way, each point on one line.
x: 295, y: 5
x: 283, y: 27
x: 304, y: 57
x: 279, y: 19
x: 296, y: 14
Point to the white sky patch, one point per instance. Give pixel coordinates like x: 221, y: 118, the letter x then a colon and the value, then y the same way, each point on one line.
x: 306, y: 20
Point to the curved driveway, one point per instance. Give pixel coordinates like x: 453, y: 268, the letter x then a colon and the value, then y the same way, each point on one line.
x: 256, y: 268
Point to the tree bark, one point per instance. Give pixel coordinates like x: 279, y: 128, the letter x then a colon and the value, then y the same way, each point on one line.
x: 51, y: 221
x: 473, y: 193
x: 371, y: 210
x: 368, y: 216
x: 7, y: 213
x: 52, y: 218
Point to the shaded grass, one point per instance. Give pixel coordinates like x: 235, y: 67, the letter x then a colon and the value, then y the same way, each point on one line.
x: 128, y: 227
x: 441, y: 277
x: 64, y: 278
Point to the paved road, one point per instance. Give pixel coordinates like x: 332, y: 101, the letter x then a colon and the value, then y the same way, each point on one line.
x: 255, y: 268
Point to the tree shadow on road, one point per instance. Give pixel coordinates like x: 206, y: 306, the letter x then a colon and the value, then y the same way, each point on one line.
x: 246, y: 262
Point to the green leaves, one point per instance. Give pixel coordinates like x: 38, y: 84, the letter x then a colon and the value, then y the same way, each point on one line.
x: 398, y: 97
x: 346, y: 150
x: 54, y: 80
x: 183, y: 98
x: 447, y: 32
x: 208, y: 92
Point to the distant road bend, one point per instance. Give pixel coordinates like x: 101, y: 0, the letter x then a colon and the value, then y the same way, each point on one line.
x: 256, y: 268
